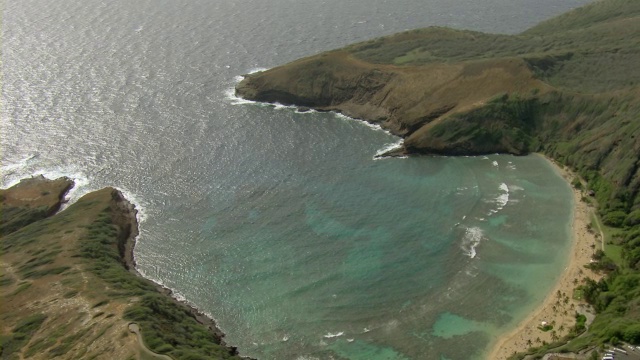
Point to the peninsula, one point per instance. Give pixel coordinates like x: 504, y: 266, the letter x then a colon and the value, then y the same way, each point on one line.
x: 568, y: 88
x: 68, y: 286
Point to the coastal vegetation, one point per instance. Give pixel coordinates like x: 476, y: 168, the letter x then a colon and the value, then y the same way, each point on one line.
x: 568, y: 87
x: 66, y: 289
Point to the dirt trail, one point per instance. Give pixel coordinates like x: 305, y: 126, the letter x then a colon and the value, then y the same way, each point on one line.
x: 134, y: 328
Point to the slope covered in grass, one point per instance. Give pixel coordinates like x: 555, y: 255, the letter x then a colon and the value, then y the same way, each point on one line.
x: 66, y: 292
x: 568, y: 87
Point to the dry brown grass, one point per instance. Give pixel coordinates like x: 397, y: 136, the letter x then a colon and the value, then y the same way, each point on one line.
x: 77, y: 325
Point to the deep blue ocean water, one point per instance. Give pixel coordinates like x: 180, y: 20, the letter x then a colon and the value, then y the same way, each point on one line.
x: 281, y: 225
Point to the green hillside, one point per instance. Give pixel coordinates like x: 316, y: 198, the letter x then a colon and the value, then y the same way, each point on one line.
x: 65, y: 288
x: 568, y: 87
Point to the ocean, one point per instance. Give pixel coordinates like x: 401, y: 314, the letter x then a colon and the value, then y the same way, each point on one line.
x: 282, y: 225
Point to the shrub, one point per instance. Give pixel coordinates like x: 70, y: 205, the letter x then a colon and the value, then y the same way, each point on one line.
x: 632, y: 334
x: 21, y: 334
x: 633, y: 218
x: 577, y: 183
x: 614, y: 218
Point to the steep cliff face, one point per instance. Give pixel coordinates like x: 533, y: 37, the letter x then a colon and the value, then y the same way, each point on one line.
x: 569, y: 87
x: 65, y: 291
x: 323, y: 82
x: 31, y: 200
x: 408, y: 101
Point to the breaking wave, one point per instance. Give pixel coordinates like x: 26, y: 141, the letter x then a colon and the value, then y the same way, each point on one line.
x: 330, y: 335
x: 471, y: 240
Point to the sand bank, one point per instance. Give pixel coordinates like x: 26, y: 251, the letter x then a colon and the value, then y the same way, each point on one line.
x: 558, y: 307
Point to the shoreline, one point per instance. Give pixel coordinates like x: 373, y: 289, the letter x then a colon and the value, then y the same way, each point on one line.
x: 558, y: 307
x: 553, y: 309
x: 130, y: 212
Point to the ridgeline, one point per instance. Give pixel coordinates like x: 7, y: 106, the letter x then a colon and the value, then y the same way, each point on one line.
x: 68, y: 289
x: 568, y: 87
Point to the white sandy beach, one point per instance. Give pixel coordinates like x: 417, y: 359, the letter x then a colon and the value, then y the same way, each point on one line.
x: 558, y: 307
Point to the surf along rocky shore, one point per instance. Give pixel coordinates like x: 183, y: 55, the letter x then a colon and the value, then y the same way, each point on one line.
x: 70, y: 287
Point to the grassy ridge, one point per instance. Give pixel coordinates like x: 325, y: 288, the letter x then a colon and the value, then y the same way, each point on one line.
x: 168, y: 328
x: 569, y: 88
x: 588, y: 50
x: 65, y: 290
x: 35, y: 201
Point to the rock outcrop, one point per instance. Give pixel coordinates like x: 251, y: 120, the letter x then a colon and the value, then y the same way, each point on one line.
x: 408, y: 101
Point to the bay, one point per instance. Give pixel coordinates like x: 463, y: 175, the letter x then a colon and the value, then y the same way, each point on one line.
x: 281, y: 225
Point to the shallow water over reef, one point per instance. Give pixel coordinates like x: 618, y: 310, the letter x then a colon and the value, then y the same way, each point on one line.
x: 282, y: 225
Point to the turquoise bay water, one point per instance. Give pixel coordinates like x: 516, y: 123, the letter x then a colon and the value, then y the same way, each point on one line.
x: 281, y: 225
x: 372, y: 259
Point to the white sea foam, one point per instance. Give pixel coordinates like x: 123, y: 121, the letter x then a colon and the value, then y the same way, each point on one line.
x: 307, y: 111
x: 178, y: 296
x: 279, y: 106
x: 350, y: 340
x: 471, y: 240
x: 494, y: 163
x: 366, y: 330
x: 230, y: 94
x: 23, y: 169
x: 257, y: 70
x: 371, y: 126
x: 141, y: 216
x: 11, y: 168
x: 28, y: 167
x: 503, y: 198
x: 285, y: 338
x: 388, y: 147
x: 330, y: 335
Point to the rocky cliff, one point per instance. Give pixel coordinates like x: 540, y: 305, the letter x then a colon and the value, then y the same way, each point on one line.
x: 65, y: 289
x: 568, y: 87
x: 408, y: 101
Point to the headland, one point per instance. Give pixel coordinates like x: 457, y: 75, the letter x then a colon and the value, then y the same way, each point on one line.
x: 567, y: 88
x: 69, y: 288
